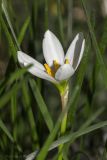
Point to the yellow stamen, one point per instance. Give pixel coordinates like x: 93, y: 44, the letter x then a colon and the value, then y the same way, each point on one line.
x: 66, y: 61
x: 49, y: 70
x: 56, y: 65
x: 52, y: 71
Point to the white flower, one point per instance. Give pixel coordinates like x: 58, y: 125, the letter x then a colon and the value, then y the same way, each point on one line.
x: 57, y: 67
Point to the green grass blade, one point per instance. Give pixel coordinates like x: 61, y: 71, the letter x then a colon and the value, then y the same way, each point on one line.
x: 7, y: 96
x: 95, y: 45
x: 31, y: 156
x: 102, y: 46
x: 9, y: 39
x: 34, y: 18
x: 93, y: 117
x: 87, y: 122
x: 103, y: 40
x: 42, y: 105
x: 14, y: 108
x: 17, y: 75
x: 13, y: 78
x: 4, y: 7
x: 13, y: 115
x: 23, y: 30
x: 73, y: 136
x: 2, y: 86
x: 31, y: 120
x: 6, y: 131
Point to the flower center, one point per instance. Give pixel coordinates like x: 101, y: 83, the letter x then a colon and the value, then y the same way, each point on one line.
x: 52, y: 70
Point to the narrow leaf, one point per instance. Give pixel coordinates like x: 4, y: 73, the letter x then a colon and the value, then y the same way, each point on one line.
x: 73, y: 136
x: 23, y: 30
x: 5, y: 130
x: 4, y: 7
x: 41, y: 104
x: 95, y: 45
x: 7, y: 96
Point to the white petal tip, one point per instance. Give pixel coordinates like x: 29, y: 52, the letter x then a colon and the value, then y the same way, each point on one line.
x: 52, y: 48
x: 19, y: 56
x: 47, y: 32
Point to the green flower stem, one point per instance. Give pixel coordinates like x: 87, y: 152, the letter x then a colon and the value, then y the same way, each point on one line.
x: 64, y: 100
x: 63, y: 129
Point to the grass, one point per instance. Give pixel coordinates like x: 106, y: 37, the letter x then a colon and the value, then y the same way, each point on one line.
x: 30, y: 108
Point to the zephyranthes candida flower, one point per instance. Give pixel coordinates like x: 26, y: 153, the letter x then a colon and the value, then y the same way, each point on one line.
x: 57, y: 67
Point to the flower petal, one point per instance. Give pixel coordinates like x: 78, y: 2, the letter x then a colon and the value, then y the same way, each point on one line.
x: 52, y: 49
x: 81, y: 54
x: 37, y: 69
x: 75, y: 51
x: 64, y: 72
x: 25, y: 60
x: 41, y: 74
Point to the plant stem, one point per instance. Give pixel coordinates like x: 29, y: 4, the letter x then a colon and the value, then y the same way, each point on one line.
x: 64, y: 100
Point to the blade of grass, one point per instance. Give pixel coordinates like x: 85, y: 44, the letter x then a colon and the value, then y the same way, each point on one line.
x: 95, y: 45
x: 73, y: 136
x: 13, y: 115
x: 41, y: 104
x: 23, y: 30
x: 31, y: 156
x: 17, y: 74
x: 6, y: 131
x: 7, y: 96
x: 90, y: 120
x: 2, y: 86
x: 27, y: 106
x: 14, y: 77
x: 103, y: 40
x: 9, y: 39
x: 4, y: 7
x: 93, y: 117
x: 102, y: 46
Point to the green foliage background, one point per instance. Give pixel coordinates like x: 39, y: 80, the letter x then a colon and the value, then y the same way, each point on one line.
x: 30, y: 108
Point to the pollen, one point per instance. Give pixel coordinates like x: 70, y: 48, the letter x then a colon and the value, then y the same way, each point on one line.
x: 52, y: 70
x: 49, y: 70
x: 56, y: 65
x: 66, y: 61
